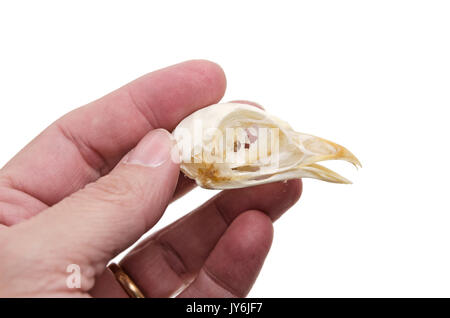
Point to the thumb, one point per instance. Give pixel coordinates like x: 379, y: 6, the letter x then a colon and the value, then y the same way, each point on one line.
x: 94, y: 224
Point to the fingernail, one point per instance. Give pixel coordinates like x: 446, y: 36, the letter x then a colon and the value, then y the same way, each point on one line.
x: 153, y: 150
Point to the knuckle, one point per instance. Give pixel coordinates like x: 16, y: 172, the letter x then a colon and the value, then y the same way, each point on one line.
x: 117, y: 190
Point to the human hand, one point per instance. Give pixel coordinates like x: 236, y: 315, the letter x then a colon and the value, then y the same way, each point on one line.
x: 98, y: 178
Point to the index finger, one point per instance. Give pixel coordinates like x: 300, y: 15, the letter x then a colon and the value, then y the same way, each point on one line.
x: 89, y: 141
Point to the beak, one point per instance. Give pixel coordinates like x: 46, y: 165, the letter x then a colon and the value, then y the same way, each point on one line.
x: 317, y: 149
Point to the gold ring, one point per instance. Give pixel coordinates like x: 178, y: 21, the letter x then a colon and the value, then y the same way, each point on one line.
x: 125, y: 281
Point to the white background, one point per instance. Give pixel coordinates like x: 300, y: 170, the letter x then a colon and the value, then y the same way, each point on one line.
x: 371, y: 75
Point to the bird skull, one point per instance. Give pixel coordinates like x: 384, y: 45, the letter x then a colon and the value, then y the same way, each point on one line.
x: 233, y: 145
